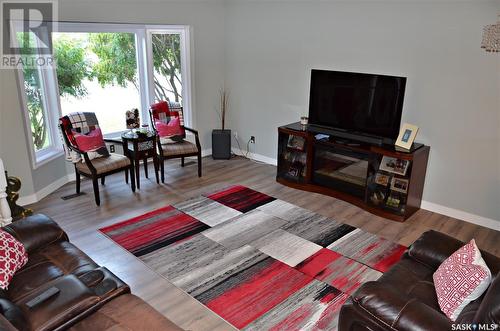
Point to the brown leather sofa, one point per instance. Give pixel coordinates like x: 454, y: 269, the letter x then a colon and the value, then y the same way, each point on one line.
x: 404, y: 298
x: 90, y: 297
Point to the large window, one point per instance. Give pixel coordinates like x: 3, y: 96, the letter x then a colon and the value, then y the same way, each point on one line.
x: 97, y: 72
x: 107, y: 69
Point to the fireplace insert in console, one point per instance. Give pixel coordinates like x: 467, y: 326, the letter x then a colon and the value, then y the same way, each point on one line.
x: 340, y: 168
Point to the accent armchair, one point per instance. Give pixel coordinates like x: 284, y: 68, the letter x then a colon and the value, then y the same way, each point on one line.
x: 164, y: 112
x: 96, y: 168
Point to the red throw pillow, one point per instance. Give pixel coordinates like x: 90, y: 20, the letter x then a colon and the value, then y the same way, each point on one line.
x: 170, y: 129
x: 461, y: 279
x: 13, y: 256
x: 90, y: 141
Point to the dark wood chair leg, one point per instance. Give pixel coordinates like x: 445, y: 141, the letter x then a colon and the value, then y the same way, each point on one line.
x: 137, y: 180
x: 78, y: 180
x: 132, y: 178
x: 162, y: 169
x: 145, y: 161
x: 96, y: 191
x: 182, y: 161
x: 126, y: 176
x: 199, y: 164
x: 155, y: 163
x: 103, y: 180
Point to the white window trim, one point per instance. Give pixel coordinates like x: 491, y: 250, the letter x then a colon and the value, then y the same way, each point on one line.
x: 54, y: 150
x: 144, y: 69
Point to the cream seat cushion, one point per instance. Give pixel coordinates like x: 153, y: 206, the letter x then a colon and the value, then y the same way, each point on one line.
x: 105, y: 164
x: 179, y: 148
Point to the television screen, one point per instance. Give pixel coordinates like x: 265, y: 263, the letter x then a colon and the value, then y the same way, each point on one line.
x: 356, y: 102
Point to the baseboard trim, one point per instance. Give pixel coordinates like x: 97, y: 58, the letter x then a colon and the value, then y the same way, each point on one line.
x: 461, y: 215
x: 39, y: 195
x: 256, y: 157
x: 206, y: 152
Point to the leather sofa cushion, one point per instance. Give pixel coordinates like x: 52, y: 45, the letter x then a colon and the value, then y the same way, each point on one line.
x: 397, y: 311
x: 412, y: 279
x: 73, y: 300
x: 36, y: 232
x: 54, y: 261
x: 126, y: 312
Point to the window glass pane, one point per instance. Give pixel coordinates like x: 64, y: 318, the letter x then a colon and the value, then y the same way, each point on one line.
x: 97, y: 72
x: 167, y: 66
x: 35, y: 98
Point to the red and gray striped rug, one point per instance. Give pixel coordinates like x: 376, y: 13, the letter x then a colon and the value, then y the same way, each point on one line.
x: 259, y: 262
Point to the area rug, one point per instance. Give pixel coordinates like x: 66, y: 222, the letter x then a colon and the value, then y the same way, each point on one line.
x: 258, y: 262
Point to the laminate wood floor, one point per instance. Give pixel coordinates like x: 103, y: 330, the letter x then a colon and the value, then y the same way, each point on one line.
x: 81, y: 218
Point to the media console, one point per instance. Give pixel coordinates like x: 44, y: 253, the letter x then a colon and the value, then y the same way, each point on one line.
x: 379, y: 179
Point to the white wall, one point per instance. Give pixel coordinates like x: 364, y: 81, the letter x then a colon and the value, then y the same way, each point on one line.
x: 451, y: 93
x: 264, y: 50
x: 206, y: 19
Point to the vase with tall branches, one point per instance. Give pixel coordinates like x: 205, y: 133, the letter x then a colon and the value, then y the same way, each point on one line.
x: 223, y: 106
x: 221, y: 138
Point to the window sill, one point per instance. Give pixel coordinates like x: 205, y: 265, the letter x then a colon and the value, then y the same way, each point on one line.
x: 45, y: 156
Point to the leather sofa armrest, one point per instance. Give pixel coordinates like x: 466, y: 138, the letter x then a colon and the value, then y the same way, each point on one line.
x: 13, y: 314
x: 36, y: 231
x: 386, y: 307
x: 489, y: 310
x: 433, y: 247
x: 73, y: 300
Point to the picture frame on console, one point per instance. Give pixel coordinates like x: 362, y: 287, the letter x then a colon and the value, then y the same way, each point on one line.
x: 399, y: 185
x: 406, y: 137
x: 394, y: 165
x: 382, y: 179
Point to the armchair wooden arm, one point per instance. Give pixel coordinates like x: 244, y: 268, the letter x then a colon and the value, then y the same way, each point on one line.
x: 196, y: 136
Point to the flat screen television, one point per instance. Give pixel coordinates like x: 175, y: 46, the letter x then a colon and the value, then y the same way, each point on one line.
x: 362, y: 105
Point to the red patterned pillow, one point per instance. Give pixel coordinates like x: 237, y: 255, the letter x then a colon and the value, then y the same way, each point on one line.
x: 13, y: 257
x: 461, y: 279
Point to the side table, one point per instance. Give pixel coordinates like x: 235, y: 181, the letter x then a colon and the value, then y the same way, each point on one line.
x: 141, y: 146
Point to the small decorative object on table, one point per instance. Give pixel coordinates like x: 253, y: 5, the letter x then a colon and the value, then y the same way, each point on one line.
x: 132, y: 119
x: 406, y: 137
x: 304, y: 120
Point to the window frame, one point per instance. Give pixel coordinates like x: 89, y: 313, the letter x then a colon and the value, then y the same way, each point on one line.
x: 48, y: 86
x: 184, y: 32
x: 142, y: 33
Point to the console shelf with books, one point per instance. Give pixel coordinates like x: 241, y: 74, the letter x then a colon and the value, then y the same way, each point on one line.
x: 379, y: 179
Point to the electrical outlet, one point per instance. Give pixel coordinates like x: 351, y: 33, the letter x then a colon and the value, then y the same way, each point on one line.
x: 252, y: 139
x: 112, y: 148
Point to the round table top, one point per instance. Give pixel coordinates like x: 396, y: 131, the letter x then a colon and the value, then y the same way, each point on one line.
x: 138, y: 134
